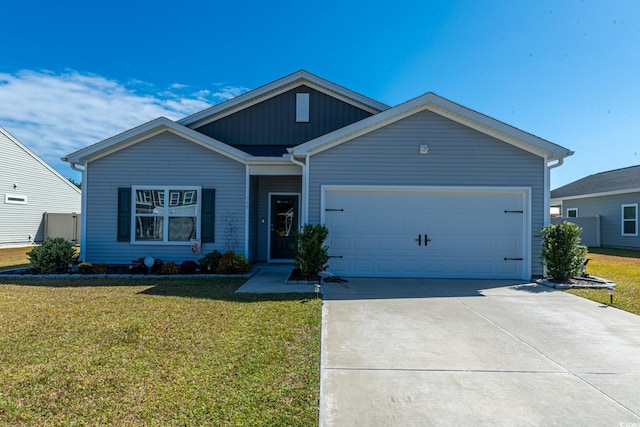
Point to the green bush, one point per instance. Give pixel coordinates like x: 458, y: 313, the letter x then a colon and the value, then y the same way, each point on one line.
x: 85, y: 268
x: 209, y: 262
x: 232, y: 263
x: 311, y: 254
x: 561, y: 251
x: 52, y: 256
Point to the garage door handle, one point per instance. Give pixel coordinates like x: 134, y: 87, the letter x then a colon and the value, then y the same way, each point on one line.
x: 426, y: 239
x: 419, y: 240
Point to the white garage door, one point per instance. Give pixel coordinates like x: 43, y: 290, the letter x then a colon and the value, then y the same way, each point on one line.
x: 427, y: 232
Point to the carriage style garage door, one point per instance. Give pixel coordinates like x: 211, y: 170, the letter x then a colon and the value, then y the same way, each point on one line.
x: 428, y: 232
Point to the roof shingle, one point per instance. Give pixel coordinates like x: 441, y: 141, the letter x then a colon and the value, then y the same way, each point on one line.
x: 603, y: 182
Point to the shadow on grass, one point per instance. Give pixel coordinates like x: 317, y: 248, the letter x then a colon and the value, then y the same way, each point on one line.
x: 200, y: 288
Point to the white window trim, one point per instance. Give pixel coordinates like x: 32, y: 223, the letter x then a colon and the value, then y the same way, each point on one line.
x: 572, y: 209
x: 15, y: 199
x: 166, y: 215
x: 622, y: 218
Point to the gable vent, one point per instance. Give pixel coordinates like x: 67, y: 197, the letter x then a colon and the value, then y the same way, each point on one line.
x: 302, y: 107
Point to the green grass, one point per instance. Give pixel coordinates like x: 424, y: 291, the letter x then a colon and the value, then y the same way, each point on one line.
x: 11, y: 258
x: 623, y: 268
x: 156, y: 353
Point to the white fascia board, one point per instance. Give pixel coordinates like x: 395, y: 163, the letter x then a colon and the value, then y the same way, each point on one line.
x: 602, y: 194
x: 277, y: 87
x: 39, y: 160
x: 146, y: 131
x: 445, y: 108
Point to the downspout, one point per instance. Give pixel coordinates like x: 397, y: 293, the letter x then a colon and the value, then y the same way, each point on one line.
x: 247, y: 199
x: 547, y: 194
x: 83, y: 208
x: 305, y: 185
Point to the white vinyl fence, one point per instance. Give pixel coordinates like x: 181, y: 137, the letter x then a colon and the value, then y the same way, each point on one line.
x: 65, y: 225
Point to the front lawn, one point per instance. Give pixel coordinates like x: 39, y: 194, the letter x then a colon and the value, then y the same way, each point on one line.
x: 156, y: 353
x: 11, y: 258
x: 623, y: 268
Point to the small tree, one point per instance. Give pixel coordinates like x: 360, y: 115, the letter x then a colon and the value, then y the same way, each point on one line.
x: 52, y: 256
x: 561, y: 251
x: 310, y: 253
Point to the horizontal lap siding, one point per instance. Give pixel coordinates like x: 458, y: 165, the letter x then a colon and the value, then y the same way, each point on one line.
x: 610, y: 210
x: 45, y: 191
x: 458, y: 156
x: 162, y: 160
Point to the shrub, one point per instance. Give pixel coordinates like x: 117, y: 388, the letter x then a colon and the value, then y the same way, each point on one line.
x: 209, y: 262
x: 100, y: 268
x: 232, y: 263
x: 137, y: 266
x: 52, y: 256
x: 188, y: 267
x: 561, y: 250
x: 85, y: 268
x: 169, y: 268
x: 311, y: 254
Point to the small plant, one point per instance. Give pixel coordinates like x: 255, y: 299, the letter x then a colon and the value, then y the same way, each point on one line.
x: 310, y: 253
x: 561, y: 251
x: 188, y: 267
x: 52, y: 256
x: 170, y: 268
x: 209, y: 262
x: 232, y: 263
x: 85, y: 268
x: 138, y: 267
x: 100, y: 268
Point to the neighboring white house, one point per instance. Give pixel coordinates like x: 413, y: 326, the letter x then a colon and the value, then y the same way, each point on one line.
x: 29, y: 187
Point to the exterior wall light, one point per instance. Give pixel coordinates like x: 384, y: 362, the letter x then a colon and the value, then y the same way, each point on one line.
x: 424, y: 149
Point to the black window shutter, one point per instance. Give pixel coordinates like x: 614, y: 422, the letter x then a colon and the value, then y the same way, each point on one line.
x: 124, y: 214
x: 207, y: 215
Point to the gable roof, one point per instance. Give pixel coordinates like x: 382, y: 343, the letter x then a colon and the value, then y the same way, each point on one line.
x: 614, y: 181
x: 432, y: 102
x: 39, y: 160
x: 147, y: 130
x: 277, y: 87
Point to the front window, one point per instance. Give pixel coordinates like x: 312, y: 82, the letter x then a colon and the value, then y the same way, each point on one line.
x: 630, y: 220
x: 154, y: 221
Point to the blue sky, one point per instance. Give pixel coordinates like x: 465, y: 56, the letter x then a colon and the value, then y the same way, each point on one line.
x: 73, y: 73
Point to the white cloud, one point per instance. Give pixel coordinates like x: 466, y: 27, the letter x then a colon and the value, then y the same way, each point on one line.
x: 56, y: 114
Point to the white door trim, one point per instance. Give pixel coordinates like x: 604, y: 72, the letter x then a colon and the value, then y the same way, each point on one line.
x: 524, y: 191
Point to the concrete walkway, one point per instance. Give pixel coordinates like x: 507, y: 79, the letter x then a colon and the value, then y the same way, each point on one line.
x: 272, y: 279
x: 404, y: 352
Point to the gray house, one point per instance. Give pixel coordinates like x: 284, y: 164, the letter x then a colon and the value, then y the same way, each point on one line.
x: 427, y: 188
x: 605, y: 205
x: 29, y: 187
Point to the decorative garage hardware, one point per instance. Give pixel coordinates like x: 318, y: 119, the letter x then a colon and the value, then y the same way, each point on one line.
x: 513, y: 211
x: 514, y: 259
x: 335, y: 256
x: 333, y: 210
x: 426, y: 239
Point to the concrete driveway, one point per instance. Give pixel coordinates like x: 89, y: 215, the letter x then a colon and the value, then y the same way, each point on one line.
x: 405, y: 352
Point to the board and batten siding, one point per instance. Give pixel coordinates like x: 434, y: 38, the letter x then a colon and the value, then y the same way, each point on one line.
x: 610, y: 210
x: 273, y: 121
x: 162, y: 160
x: 44, y: 188
x: 458, y: 156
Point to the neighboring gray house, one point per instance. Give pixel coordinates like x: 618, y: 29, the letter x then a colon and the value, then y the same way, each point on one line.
x: 427, y: 188
x: 29, y: 187
x: 608, y: 199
